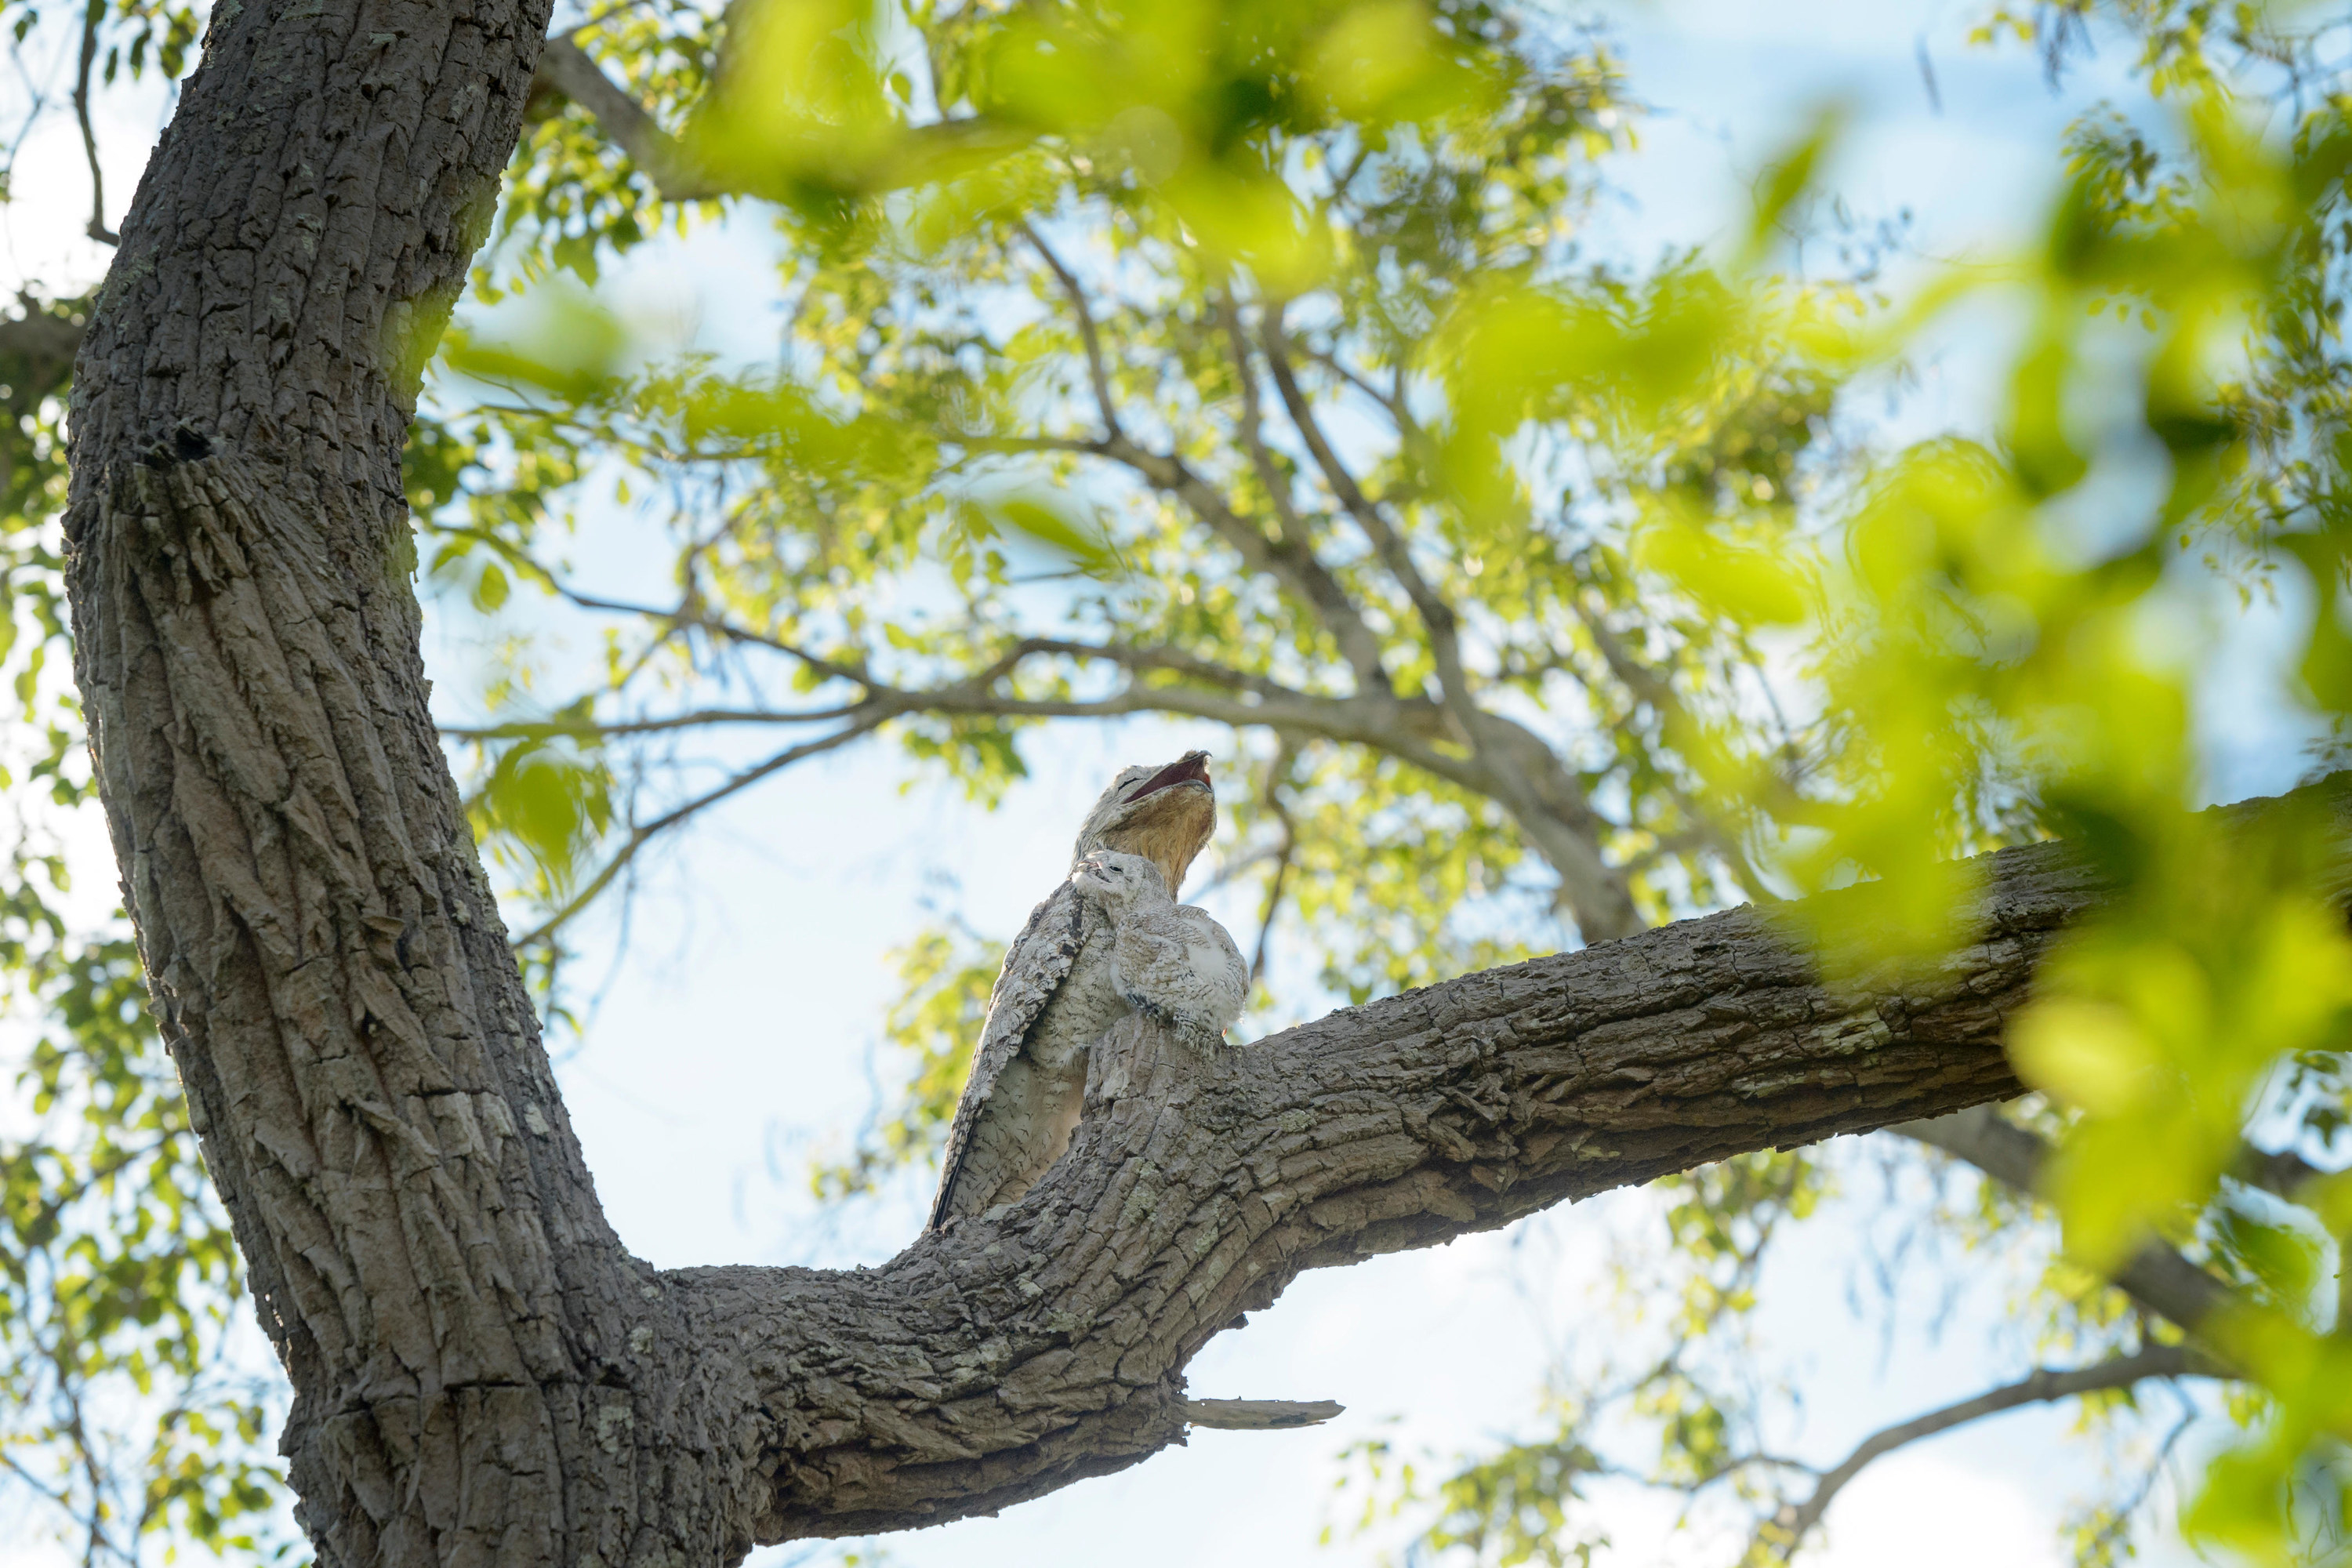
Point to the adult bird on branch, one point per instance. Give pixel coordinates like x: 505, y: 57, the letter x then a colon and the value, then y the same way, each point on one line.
x: 1058, y: 992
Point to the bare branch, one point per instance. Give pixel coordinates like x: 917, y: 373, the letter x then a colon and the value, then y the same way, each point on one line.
x: 1401, y: 729
x: 1595, y: 891
x: 93, y: 14
x: 2157, y: 1277
x: 1779, y: 1538
x: 922, y: 152
x: 1289, y: 560
x: 646, y: 832
x: 1257, y: 1414
x: 1106, y: 406
x: 569, y: 69
x: 1167, y: 658
x: 1387, y: 726
x: 1644, y: 683
x: 2100, y: 1548
x: 1276, y: 483
x: 689, y: 614
x: 700, y: 718
x: 1342, y: 481
x: 1648, y: 685
x: 1390, y: 404
x: 883, y: 703
x: 1276, y: 773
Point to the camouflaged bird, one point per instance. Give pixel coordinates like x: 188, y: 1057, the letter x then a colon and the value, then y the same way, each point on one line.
x: 1170, y: 961
x: 1056, y: 994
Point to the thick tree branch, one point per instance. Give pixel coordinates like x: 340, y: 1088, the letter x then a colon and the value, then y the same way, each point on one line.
x: 1779, y: 1538
x: 45, y: 335
x: 482, y: 1373
x: 1013, y: 1353
x: 2283, y: 1174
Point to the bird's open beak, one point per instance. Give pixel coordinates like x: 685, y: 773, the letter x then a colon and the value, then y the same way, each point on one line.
x: 1190, y: 768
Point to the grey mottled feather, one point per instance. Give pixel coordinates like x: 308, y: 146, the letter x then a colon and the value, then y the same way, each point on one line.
x: 1035, y: 967
x: 1174, y: 963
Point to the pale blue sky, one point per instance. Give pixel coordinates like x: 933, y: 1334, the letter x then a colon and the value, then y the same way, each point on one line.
x: 693, y: 1085
x: 733, y: 1037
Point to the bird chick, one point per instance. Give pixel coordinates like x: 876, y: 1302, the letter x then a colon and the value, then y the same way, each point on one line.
x: 1170, y: 961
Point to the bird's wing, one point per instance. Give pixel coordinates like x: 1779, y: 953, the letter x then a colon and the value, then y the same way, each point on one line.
x: 1035, y: 967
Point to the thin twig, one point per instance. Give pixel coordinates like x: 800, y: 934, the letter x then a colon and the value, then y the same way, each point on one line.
x: 1095, y: 373
x: 93, y: 14
x: 1289, y: 561
x: 1276, y: 483
x: 1779, y: 1538
x: 550, y: 728
x: 1392, y: 404
x: 641, y: 834
x: 677, y: 176
x: 1276, y: 775
x: 2095, y: 1550
x: 2158, y: 1277
x: 1648, y: 685
x: 686, y: 615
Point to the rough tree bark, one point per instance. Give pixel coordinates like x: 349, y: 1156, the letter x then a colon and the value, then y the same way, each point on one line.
x: 482, y: 1373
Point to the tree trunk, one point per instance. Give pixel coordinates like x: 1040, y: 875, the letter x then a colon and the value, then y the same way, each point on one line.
x: 482, y: 1373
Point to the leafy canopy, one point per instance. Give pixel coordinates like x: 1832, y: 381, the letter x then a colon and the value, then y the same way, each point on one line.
x: 1258, y: 366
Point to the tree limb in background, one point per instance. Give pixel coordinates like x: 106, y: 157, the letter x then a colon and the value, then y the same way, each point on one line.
x: 1779, y: 1538
x: 643, y: 833
x: 1595, y: 891
x: 567, y: 69
x: 2157, y: 1277
x: 1097, y: 374
x: 93, y: 15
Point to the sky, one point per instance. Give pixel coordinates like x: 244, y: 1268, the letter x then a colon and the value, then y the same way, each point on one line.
x: 733, y: 1027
